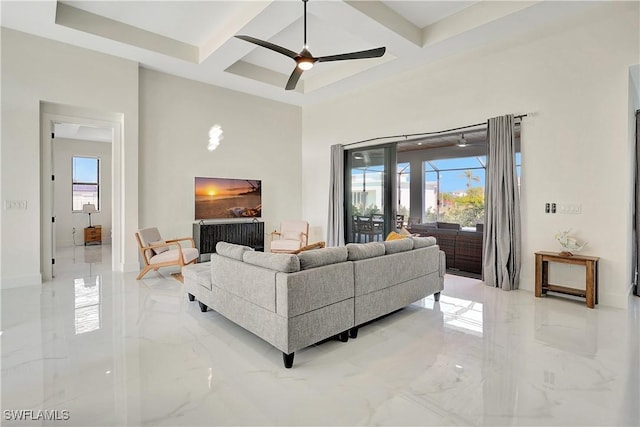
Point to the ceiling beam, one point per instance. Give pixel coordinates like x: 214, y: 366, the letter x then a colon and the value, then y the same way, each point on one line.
x: 475, y: 16
x: 388, y: 18
x: 100, y: 26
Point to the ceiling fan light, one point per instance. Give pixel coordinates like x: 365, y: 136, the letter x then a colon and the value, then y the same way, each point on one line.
x: 462, y: 142
x: 305, y: 65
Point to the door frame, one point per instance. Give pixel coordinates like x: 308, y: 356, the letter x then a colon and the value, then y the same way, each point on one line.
x: 47, y: 228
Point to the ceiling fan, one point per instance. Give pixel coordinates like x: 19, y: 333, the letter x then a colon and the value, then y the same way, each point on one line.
x: 305, y: 60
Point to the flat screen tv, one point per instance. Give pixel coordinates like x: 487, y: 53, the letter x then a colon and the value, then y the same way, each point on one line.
x: 217, y: 198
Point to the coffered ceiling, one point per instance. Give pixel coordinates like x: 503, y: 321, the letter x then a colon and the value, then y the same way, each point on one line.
x: 194, y: 39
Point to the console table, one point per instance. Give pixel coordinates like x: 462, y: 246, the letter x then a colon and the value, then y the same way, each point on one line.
x: 242, y: 233
x: 543, y: 259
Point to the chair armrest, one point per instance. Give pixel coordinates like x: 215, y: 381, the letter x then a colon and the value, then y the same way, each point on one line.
x: 274, y: 233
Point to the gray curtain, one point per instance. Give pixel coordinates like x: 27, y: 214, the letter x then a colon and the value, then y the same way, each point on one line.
x: 502, y: 238
x: 335, y: 223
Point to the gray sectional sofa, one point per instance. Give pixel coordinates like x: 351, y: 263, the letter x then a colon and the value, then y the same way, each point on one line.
x: 293, y: 301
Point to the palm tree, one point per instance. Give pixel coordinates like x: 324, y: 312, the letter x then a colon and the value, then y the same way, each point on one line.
x: 468, y: 174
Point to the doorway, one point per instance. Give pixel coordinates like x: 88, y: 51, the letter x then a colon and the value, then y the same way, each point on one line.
x: 370, y: 211
x: 52, y: 116
x: 636, y: 217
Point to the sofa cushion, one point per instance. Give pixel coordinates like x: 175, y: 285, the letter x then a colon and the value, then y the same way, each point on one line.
x: 423, y: 242
x: 358, y: 251
x: 198, y: 274
x: 231, y: 250
x: 319, y: 257
x: 400, y: 245
x: 286, y: 263
x: 374, y: 274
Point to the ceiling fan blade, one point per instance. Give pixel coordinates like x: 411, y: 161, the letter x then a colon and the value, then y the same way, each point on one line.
x: 293, y: 80
x: 363, y: 54
x: 284, y: 51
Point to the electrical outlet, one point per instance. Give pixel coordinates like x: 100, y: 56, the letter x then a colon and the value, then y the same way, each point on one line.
x: 553, y: 208
x: 74, y: 230
x: 547, y: 207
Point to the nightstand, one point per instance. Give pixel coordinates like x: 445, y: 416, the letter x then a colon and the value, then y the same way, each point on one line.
x: 93, y: 235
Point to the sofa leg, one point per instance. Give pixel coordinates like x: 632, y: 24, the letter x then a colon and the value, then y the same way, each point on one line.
x: 191, y: 297
x: 436, y: 296
x: 203, y: 307
x: 343, y: 336
x: 288, y: 360
x: 353, y: 332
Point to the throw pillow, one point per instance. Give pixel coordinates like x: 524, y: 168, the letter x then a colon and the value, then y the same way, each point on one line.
x: 161, y: 249
x: 394, y: 236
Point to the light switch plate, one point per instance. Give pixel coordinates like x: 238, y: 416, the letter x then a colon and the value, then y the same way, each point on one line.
x: 15, y: 205
x: 570, y: 208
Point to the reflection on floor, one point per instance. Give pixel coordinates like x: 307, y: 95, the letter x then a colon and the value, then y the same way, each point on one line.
x: 115, y: 351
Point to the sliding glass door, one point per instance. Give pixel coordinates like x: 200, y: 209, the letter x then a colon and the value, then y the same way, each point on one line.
x: 369, y: 195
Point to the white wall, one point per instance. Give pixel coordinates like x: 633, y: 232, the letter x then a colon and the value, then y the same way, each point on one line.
x: 34, y: 70
x: 66, y: 219
x: 573, y: 81
x: 261, y: 141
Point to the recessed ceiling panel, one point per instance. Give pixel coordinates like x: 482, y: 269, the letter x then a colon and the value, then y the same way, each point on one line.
x: 322, y: 39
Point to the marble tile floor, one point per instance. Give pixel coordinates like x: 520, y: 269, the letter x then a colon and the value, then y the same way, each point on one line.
x: 101, y: 348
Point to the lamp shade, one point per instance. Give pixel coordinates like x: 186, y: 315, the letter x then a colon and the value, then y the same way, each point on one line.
x: 89, y: 208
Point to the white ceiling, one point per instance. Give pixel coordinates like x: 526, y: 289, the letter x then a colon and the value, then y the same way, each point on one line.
x: 194, y: 39
x: 83, y: 133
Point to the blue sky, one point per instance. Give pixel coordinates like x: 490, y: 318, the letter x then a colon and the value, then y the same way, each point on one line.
x: 452, y: 176
x: 85, y: 169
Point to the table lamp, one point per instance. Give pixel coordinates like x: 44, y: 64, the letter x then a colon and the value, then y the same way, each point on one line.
x: 89, y: 208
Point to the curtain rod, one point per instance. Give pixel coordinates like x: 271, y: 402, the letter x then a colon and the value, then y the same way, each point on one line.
x: 426, y: 133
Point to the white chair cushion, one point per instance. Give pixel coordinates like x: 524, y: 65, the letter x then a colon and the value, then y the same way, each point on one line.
x: 188, y: 255
x: 291, y: 235
x: 293, y: 230
x: 285, y: 245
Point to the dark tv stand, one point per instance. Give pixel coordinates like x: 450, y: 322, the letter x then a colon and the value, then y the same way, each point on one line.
x: 242, y: 233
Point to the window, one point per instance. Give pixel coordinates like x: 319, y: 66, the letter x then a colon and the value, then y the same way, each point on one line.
x: 454, y: 189
x: 85, y: 185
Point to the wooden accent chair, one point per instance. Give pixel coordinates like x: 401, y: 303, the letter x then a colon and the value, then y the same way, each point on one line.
x: 292, y: 236
x: 157, y: 252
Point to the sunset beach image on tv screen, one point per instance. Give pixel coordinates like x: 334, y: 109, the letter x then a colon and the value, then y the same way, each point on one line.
x: 227, y: 198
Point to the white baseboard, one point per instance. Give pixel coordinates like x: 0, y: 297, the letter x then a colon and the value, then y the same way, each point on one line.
x: 129, y: 267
